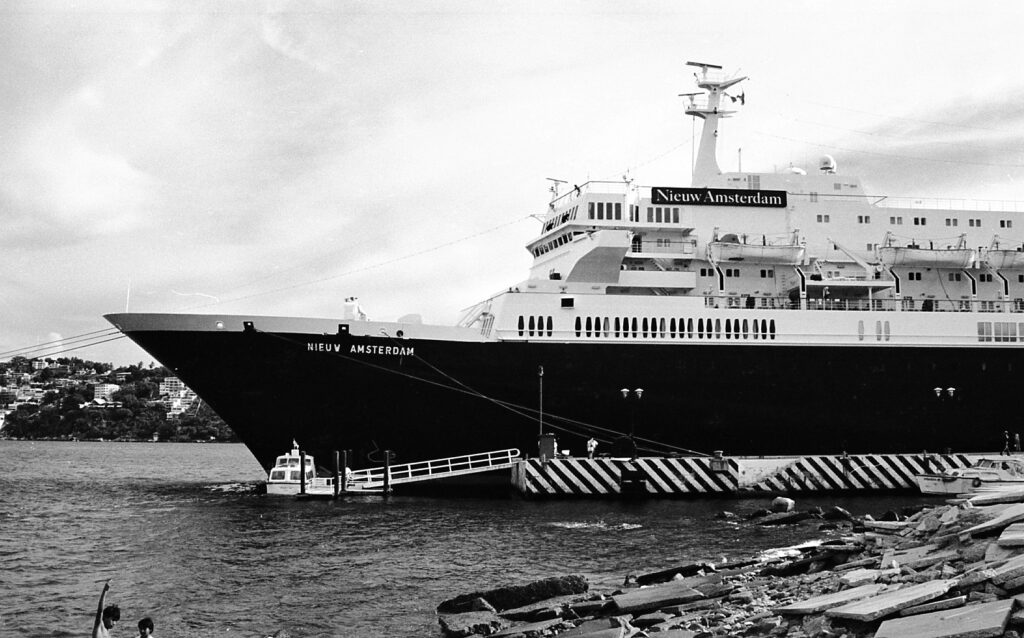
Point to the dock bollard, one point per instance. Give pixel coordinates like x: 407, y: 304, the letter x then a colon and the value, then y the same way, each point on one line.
x: 337, y: 475
x: 302, y: 472
x: 387, y: 472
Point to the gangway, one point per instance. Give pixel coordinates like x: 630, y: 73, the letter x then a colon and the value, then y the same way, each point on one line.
x: 373, y: 479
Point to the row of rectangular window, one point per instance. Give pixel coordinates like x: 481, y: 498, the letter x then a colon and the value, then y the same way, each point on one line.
x: 766, y: 273
x: 999, y: 331
x: 561, y: 219
x: 985, y: 277
x: 655, y: 328
x: 554, y: 243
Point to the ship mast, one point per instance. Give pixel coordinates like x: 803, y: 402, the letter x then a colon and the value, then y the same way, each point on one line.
x: 709, y: 79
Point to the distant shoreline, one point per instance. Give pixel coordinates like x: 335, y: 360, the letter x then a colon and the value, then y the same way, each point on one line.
x: 63, y: 440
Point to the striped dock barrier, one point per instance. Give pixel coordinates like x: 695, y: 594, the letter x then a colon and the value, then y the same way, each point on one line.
x: 727, y: 476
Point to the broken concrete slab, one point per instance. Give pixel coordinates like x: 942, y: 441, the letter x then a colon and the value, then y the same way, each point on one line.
x: 1005, y: 518
x: 890, y: 602
x: 471, y: 623
x: 938, y: 605
x: 1012, y: 536
x: 655, y: 597
x: 975, y: 621
x: 819, y: 604
x: 529, y: 628
x: 859, y: 577
x: 683, y: 571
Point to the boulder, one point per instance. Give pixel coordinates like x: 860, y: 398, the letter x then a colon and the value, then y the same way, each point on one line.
x: 782, y: 504
x: 514, y: 596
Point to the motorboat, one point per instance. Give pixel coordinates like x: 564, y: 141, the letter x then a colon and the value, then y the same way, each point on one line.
x: 1003, y: 471
x: 285, y: 477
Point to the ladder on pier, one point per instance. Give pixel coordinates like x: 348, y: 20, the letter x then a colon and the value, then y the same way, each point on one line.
x: 372, y: 479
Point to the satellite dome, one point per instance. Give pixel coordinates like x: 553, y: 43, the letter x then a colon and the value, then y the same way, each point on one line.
x: 796, y: 170
x: 827, y: 164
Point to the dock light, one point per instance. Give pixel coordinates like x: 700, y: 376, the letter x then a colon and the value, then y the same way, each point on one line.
x: 950, y: 391
x: 639, y: 392
x: 625, y: 392
x: 938, y: 392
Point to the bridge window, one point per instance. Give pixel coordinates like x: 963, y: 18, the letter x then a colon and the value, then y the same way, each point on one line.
x: 746, y: 333
x: 728, y: 328
x: 522, y: 324
x: 1006, y: 223
x: 618, y: 210
x: 771, y: 329
x: 700, y: 328
x: 718, y: 328
x: 551, y: 326
x: 589, y: 325
x: 579, y: 324
x: 634, y: 327
x: 531, y: 327
x: 974, y: 223
x: 984, y: 331
x: 672, y: 328
x: 617, y: 325
x: 661, y: 327
x: 590, y: 210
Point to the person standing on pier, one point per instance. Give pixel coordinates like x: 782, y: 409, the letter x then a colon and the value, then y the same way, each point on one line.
x: 106, y: 617
x: 591, y: 446
x: 1006, y: 443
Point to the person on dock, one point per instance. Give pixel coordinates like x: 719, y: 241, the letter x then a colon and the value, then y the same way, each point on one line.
x: 1006, y: 443
x: 1016, y: 442
x: 146, y: 627
x: 106, y: 617
x: 591, y: 446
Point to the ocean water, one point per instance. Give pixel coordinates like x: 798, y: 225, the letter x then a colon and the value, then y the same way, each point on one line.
x: 185, y: 538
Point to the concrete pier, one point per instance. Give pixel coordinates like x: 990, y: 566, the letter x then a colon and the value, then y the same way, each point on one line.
x: 718, y: 475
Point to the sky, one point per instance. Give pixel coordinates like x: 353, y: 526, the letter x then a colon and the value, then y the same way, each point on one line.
x: 274, y: 158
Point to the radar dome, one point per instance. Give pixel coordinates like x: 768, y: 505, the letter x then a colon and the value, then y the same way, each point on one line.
x: 827, y: 164
x: 796, y: 170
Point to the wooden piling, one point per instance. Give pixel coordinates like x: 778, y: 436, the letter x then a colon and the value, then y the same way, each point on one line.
x: 387, y: 472
x: 344, y: 470
x: 302, y: 472
x: 337, y: 475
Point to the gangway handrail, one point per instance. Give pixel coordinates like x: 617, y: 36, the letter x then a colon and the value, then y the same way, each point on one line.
x: 433, y: 469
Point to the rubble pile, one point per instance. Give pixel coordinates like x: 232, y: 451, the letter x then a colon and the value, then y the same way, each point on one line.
x: 954, y: 571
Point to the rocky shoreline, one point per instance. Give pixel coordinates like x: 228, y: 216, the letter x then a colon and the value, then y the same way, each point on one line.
x: 953, y: 570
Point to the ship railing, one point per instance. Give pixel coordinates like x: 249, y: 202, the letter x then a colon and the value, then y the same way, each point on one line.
x: 739, y: 302
x: 596, y: 187
x: 433, y: 469
x: 926, y: 203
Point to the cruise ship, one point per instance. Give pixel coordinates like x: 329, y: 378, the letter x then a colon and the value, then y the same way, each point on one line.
x: 782, y: 313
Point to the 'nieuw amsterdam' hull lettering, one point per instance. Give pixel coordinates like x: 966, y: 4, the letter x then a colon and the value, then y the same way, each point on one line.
x: 718, y: 197
x: 399, y: 351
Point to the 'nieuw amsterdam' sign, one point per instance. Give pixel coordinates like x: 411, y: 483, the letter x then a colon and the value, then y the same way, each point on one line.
x: 717, y: 197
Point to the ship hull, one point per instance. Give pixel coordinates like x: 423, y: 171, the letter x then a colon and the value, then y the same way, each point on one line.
x: 428, y: 399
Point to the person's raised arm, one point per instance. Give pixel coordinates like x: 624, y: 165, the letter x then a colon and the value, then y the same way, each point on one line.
x: 99, y: 609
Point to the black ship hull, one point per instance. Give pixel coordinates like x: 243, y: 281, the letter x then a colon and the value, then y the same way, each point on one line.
x: 426, y: 399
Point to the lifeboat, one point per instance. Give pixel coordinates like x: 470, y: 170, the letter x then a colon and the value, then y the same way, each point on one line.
x: 959, y: 256
x: 729, y: 248
x: 1004, y: 258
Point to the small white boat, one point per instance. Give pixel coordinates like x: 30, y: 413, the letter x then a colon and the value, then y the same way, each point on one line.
x: 1003, y: 471
x: 285, y: 477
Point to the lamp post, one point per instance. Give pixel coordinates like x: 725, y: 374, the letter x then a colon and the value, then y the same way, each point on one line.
x: 627, y: 394
x: 540, y: 413
x: 944, y: 395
